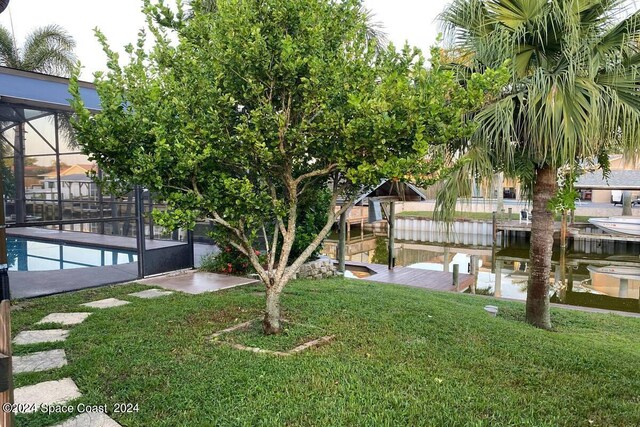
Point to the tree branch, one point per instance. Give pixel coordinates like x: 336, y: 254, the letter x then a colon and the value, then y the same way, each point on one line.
x: 288, y: 239
x: 316, y: 173
x: 246, y: 248
x: 274, y: 247
x: 274, y: 197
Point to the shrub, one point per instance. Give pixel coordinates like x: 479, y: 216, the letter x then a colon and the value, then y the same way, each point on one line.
x: 228, y: 261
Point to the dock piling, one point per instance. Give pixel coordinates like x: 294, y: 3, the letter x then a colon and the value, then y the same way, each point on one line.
x: 342, y: 242
x: 474, y: 272
x: 495, y: 227
x: 456, y: 276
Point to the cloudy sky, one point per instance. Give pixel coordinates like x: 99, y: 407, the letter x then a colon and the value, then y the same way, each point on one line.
x: 120, y: 20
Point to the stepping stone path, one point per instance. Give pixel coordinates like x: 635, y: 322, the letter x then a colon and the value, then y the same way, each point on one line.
x: 46, y: 393
x: 41, y: 361
x: 151, y: 293
x: 62, y: 391
x: 67, y: 319
x: 90, y: 419
x: 106, y: 303
x: 37, y: 337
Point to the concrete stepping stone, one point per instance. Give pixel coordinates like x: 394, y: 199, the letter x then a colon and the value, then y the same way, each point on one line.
x: 31, y: 397
x: 37, y: 337
x: 106, y: 303
x: 151, y: 293
x: 40, y: 361
x: 67, y: 319
x: 90, y: 419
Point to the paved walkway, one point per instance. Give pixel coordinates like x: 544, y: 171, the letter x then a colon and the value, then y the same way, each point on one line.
x: 196, y: 282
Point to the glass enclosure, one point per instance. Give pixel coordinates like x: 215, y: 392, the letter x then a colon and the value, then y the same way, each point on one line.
x: 47, y: 183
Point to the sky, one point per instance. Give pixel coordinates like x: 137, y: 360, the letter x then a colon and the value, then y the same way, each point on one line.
x: 120, y: 21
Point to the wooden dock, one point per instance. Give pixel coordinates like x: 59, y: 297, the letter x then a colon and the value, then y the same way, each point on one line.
x: 414, y: 277
x: 580, y: 231
x: 521, y: 226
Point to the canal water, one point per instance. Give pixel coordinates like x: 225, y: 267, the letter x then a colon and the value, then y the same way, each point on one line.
x: 593, y: 273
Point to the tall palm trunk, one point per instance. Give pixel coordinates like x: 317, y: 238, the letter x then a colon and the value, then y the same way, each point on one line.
x: 541, y: 248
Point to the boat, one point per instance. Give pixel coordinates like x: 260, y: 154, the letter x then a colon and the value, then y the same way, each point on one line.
x: 620, y: 272
x: 618, y: 224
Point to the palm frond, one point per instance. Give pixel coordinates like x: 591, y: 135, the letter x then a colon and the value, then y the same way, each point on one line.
x: 574, y: 90
x: 49, y: 49
x: 8, y: 54
x: 375, y: 33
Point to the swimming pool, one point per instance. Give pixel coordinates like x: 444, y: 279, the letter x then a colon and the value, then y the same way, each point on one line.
x: 33, y: 255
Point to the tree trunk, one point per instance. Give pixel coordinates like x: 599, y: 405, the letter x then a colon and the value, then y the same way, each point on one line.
x: 541, y: 249
x: 271, y: 321
x: 626, y: 203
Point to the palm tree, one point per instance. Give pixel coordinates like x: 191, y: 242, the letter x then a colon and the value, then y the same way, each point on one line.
x: 46, y: 50
x: 572, y: 97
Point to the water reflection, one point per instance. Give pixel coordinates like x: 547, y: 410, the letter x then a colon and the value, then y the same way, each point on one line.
x: 603, y: 274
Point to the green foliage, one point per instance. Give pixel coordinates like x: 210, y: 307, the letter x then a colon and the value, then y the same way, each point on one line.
x: 402, y: 356
x: 566, y: 194
x: 572, y: 92
x: 228, y: 261
x: 8, y: 180
x: 312, y: 216
x: 381, y: 252
x: 241, y: 112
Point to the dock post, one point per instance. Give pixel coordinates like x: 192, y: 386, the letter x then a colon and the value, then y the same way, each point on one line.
x: 624, y: 288
x: 495, y: 227
x: 497, y: 290
x: 140, y: 235
x: 456, y: 277
x: 570, y: 280
x: 392, y: 227
x: 446, y: 259
x: 563, y: 230
x: 474, y: 272
x: 342, y: 242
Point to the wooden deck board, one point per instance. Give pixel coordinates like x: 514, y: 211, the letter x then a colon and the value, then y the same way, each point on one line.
x: 415, y: 277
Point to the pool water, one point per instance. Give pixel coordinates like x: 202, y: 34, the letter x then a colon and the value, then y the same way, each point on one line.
x: 32, y: 255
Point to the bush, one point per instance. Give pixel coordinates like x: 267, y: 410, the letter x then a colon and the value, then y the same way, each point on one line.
x: 228, y: 261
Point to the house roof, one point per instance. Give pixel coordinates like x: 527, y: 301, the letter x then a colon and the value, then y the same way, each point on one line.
x: 73, y: 170
x: 618, y: 180
x: 389, y: 189
x: 79, y: 177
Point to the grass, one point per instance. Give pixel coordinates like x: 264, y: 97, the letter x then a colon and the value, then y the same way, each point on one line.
x: 482, y: 216
x: 402, y: 356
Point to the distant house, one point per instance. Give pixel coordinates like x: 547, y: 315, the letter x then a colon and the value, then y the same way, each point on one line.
x: 74, y: 183
x: 591, y: 187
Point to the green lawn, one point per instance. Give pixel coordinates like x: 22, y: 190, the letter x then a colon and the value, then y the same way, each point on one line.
x: 402, y: 356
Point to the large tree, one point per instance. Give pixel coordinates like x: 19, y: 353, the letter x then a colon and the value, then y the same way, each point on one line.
x: 240, y: 113
x: 572, y: 98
